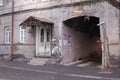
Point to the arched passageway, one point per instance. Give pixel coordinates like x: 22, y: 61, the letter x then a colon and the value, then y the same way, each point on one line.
x: 84, y: 38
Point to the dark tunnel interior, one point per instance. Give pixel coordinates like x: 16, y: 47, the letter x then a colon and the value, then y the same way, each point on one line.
x: 86, y: 24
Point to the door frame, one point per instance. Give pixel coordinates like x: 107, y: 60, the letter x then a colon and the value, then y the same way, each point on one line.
x: 38, y: 39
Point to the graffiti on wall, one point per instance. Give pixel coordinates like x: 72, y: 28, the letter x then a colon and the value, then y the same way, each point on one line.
x: 67, y: 40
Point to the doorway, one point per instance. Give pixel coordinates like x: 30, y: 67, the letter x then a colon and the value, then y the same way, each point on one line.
x: 43, y: 40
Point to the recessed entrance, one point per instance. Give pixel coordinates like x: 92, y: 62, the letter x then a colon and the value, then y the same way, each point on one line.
x: 43, y: 40
x: 43, y: 34
x: 85, y: 38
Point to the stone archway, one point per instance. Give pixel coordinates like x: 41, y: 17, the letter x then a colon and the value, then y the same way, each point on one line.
x: 81, y: 37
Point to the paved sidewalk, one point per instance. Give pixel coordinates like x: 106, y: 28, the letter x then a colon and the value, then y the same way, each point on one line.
x: 88, y: 70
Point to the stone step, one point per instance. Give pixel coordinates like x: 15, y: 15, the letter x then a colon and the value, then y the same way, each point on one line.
x: 38, y: 61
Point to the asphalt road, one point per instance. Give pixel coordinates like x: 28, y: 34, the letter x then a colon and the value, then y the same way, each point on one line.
x: 20, y: 71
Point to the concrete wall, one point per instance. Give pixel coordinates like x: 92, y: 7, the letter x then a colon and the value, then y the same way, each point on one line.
x: 113, y: 32
x: 27, y: 50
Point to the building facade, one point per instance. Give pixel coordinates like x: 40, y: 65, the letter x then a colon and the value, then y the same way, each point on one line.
x: 84, y: 28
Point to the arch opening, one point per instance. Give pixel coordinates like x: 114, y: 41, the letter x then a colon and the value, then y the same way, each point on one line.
x: 85, y: 24
x: 85, y: 38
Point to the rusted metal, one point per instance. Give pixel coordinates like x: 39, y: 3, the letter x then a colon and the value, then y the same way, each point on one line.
x: 12, y: 32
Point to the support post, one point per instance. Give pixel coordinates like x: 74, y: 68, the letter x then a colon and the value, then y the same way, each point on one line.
x: 105, y: 48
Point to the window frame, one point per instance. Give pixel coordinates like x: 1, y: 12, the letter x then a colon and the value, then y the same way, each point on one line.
x: 44, y: 0
x: 22, y: 35
x: 29, y: 0
x: 1, y: 2
x: 7, y: 35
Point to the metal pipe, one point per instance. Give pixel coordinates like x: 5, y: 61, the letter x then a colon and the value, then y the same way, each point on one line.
x: 12, y: 32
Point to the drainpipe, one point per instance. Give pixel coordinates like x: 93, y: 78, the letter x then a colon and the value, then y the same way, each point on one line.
x: 12, y: 32
x: 119, y: 33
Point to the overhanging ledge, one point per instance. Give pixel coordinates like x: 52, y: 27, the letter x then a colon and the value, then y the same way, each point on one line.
x: 35, y: 21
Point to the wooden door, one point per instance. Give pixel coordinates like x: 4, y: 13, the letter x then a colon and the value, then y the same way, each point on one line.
x: 43, y: 41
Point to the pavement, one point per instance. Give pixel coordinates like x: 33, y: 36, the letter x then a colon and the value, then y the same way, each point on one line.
x: 13, y: 70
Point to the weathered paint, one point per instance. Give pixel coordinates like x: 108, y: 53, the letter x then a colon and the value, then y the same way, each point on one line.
x: 57, y: 13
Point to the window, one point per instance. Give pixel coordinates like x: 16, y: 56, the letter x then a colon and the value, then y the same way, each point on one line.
x: 44, y: 0
x: 1, y: 2
x: 7, y: 34
x: 22, y: 35
x: 0, y: 22
x: 30, y: 0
